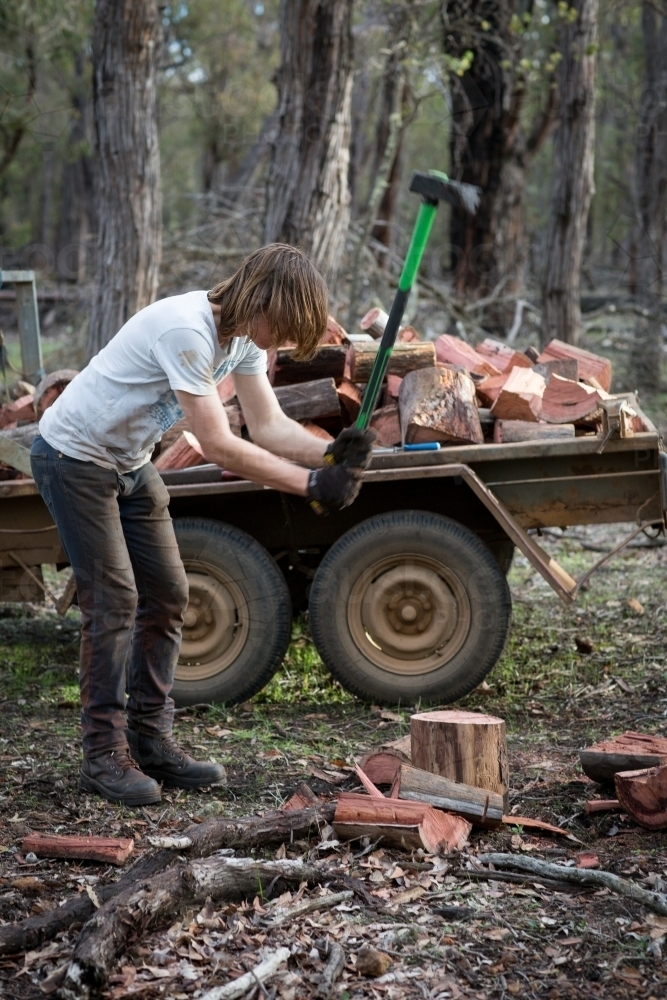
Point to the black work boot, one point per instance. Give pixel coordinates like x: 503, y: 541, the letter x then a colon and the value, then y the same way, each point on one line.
x: 164, y: 760
x: 116, y: 777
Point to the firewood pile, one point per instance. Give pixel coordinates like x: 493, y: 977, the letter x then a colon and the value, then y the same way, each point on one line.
x: 444, y: 391
x: 19, y: 419
x: 636, y: 764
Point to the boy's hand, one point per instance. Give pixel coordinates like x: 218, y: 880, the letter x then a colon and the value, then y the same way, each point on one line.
x: 333, y: 487
x: 351, y: 447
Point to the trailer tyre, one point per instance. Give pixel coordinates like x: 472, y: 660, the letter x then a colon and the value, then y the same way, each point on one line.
x: 237, y: 625
x: 409, y: 606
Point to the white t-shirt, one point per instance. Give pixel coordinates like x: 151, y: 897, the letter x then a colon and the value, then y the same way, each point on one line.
x: 115, y: 410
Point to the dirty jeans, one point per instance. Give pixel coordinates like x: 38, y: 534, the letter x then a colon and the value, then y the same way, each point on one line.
x: 131, y: 587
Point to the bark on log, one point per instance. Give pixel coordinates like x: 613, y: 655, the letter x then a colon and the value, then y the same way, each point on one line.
x: 403, y: 824
x: 328, y: 362
x: 405, y: 358
x: 593, y: 368
x: 438, y: 404
x: 454, y: 351
x: 468, y: 747
x: 627, y: 752
x: 508, y: 431
x: 382, y: 765
x: 308, y: 400
x: 480, y: 807
x: 374, y: 322
x: 387, y: 426
x: 655, y: 901
x: 521, y: 396
x: 643, y: 794
x: 156, y: 900
x: 503, y: 357
x: 567, y: 402
x: 211, y: 835
x: 108, y: 850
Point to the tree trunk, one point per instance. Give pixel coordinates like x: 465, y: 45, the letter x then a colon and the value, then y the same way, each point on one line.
x: 308, y: 198
x: 651, y: 238
x: 76, y: 198
x: 126, y: 44
x: 573, y: 184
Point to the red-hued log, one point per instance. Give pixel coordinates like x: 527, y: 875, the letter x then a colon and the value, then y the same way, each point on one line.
x: 489, y: 390
x: 602, y: 805
x: 643, y: 794
x: 521, y: 396
x: 438, y: 404
x: 403, y: 824
x: 627, y: 752
x: 335, y: 334
x: 316, y: 430
x: 592, y: 367
x: 108, y: 850
x: 394, y: 383
x: 508, y: 431
x: 454, y: 351
x: 350, y: 398
x: 381, y: 765
x: 386, y: 424
x: 565, y: 401
x: 469, y: 747
x: 504, y: 358
x: 51, y: 387
x: 374, y: 322
x: 22, y: 408
x: 408, y: 335
x: 182, y: 454
x: 303, y: 797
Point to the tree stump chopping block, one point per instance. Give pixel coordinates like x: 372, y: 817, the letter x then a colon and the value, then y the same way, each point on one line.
x: 469, y: 747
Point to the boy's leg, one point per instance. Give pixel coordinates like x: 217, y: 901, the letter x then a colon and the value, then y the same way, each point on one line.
x: 82, y: 499
x: 163, y: 596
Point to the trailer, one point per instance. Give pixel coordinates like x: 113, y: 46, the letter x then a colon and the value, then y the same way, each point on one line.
x: 406, y: 589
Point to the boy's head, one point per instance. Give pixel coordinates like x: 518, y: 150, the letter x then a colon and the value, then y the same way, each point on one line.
x: 281, y: 284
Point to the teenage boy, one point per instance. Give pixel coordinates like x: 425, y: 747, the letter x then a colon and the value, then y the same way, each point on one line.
x: 92, y: 465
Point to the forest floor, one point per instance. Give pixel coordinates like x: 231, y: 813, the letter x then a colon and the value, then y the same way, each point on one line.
x: 504, y: 940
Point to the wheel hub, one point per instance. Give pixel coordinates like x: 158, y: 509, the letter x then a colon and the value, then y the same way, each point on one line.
x: 215, y: 624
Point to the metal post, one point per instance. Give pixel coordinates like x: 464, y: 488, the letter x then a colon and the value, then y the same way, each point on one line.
x: 28, y: 317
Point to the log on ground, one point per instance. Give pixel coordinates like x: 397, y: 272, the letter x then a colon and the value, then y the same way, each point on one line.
x: 469, y: 747
x: 308, y: 400
x: 628, y: 752
x: 509, y: 431
x: 108, y: 850
x: 438, y: 404
x: 481, y: 807
x: 407, y: 825
x: 520, y: 398
x: 643, y: 794
x: 404, y: 358
x: 382, y: 765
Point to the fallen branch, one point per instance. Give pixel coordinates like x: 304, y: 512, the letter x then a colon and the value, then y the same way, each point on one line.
x: 655, y: 901
x: 259, y: 974
x: 309, y: 906
x: 156, y: 900
x: 331, y: 972
x: 246, y: 832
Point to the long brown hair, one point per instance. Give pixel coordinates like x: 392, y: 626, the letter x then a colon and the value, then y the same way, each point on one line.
x: 281, y: 283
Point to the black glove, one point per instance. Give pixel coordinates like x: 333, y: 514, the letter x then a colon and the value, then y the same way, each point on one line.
x: 334, y: 487
x: 351, y: 447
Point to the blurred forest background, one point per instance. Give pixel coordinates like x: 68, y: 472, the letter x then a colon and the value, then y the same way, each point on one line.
x: 145, y: 148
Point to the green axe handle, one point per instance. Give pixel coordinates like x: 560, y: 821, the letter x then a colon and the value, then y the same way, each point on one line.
x: 434, y: 187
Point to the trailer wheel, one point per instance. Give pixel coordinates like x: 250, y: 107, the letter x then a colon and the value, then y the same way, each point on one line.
x: 238, y: 621
x: 409, y: 606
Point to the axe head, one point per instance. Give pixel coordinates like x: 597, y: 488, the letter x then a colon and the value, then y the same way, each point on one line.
x: 435, y: 186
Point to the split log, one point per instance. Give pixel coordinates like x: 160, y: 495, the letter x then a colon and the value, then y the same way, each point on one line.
x: 274, y: 827
x: 387, y: 426
x: 454, y: 351
x: 593, y: 368
x: 374, y: 322
x: 627, y: 752
x: 469, y: 747
x: 490, y: 388
x: 246, y: 983
x: 302, y: 797
x: 403, y: 824
x: 335, y: 334
x: 226, y: 388
x: 643, y: 794
x: 481, y: 807
x: 602, y: 805
x: 349, y: 397
x: 328, y: 362
x: 51, y: 387
x: 438, y: 404
x: 108, y: 850
x: 182, y: 454
x: 394, y: 383
x: 508, y: 431
x: 157, y: 900
x: 565, y: 401
x: 408, y: 335
x: 382, y: 765
x: 503, y: 357
x: 520, y: 398
x: 405, y: 358
x: 655, y: 901
x: 316, y: 430
x: 308, y: 400
x: 22, y: 409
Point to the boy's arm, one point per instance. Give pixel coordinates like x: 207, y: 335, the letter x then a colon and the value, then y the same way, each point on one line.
x: 270, y: 428
x: 208, y: 422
